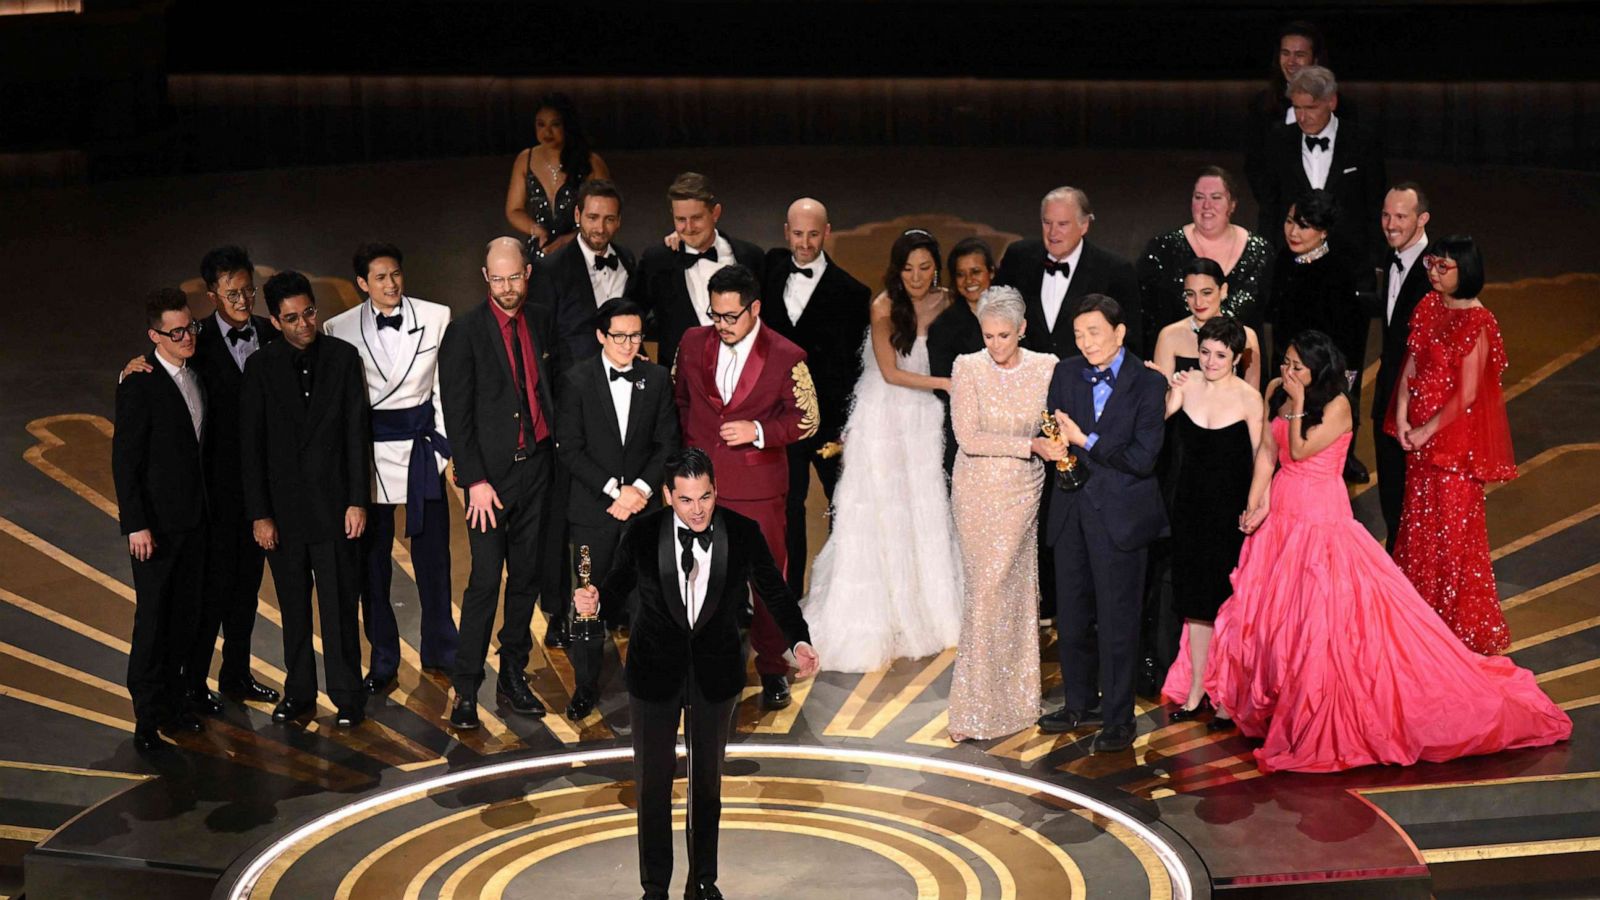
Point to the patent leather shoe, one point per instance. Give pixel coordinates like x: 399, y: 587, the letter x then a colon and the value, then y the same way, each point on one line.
x: 464, y: 714
x: 377, y: 683
x: 556, y: 636
x: 774, y: 694
x: 290, y: 709
x: 582, y: 704
x: 512, y: 690
x: 703, y: 891
x: 249, y: 690
x: 1114, y: 739
x: 149, y: 740
x: 350, y: 717
x: 184, y: 722
x: 1066, y: 719
x: 206, y: 703
x: 1184, y: 715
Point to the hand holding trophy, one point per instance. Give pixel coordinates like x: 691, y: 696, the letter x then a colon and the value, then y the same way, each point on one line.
x: 582, y: 627
x: 1070, y: 474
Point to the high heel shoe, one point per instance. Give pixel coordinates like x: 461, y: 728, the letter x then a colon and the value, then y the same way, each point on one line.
x: 1184, y: 715
x: 1219, y: 723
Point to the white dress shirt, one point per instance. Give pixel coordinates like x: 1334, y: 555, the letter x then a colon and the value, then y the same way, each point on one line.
x: 1317, y: 163
x: 798, y: 289
x: 1053, y: 291
x: 1288, y: 115
x: 692, y: 584
x: 189, y: 387
x: 239, y: 350
x: 388, y: 348
x: 1409, y: 256
x: 698, y: 276
x: 607, y: 283
x: 730, y: 368
x: 622, y: 391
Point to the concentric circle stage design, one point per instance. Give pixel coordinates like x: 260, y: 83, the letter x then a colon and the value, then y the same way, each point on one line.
x: 840, y: 822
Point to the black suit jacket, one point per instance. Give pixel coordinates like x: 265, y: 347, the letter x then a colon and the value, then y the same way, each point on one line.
x: 661, y: 644
x: 830, y: 332
x: 305, y: 463
x: 1099, y: 272
x: 562, y: 285
x: 224, y: 381
x: 479, y: 391
x: 1122, y: 483
x: 1396, y: 331
x: 590, y: 446
x: 157, y: 463
x: 1356, y: 178
x: 665, y: 296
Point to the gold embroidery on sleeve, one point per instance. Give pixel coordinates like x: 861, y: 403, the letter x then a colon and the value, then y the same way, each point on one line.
x: 805, y: 396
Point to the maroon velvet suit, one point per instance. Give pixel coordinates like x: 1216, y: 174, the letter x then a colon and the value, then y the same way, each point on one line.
x: 775, y: 390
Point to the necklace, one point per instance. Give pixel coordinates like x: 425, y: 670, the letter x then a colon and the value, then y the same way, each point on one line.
x: 1313, y: 255
x: 1194, y: 324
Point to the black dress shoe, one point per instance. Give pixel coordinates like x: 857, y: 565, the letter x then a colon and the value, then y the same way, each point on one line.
x: 1183, y: 715
x: 774, y: 694
x: 556, y: 636
x: 582, y: 704
x: 1355, y: 472
x: 1066, y: 719
x: 149, y: 740
x: 183, y: 723
x: 1114, y: 739
x: 375, y: 683
x: 703, y: 891
x: 206, y: 703
x: 1219, y: 723
x: 350, y: 717
x: 512, y: 689
x: 247, y: 689
x: 464, y: 715
x: 291, y: 709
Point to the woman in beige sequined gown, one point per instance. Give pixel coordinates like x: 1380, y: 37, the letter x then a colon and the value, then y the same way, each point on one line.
x: 996, y: 397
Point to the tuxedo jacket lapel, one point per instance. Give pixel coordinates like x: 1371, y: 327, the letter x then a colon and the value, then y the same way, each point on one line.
x: 667, y: 563
x: 577, y: 277
x: 719, y: 572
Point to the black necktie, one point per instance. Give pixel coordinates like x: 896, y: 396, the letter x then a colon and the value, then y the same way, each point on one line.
x: 1318, y: 143
x: 630, y: 375
x: 1095, y: 376
x: 526, y: 438
x: 800, y: 270
x: 687, y: 539
x: 605, y: 262
x: 1063, y: 268
x: 689, y: 259
x: 240, y: 334
x: 389, y: 321
x: 1396, y: 262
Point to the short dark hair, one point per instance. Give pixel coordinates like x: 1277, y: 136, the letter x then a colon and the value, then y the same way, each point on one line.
x: 1315, y: 208
x: 1464, y: 252
x: 690, y: 462
x: 1201, y: 265
x: 1100, y: 303
x: 969, y: 247
x: 221, y: 261
x: 692, y: 186
x: 1228, y: 184
x: 371, y: 250
x: 611, y: 309
x: 161, y: 301
x: 284, y: 285
x: 735, y: 278
x: 1413, y: 187
x: 598, y: 187
x: 1226, y: 331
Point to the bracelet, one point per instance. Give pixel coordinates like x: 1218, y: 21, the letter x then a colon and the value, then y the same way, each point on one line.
x: 1292, y: 416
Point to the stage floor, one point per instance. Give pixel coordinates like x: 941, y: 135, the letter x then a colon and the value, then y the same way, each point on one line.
x: 810, y: 808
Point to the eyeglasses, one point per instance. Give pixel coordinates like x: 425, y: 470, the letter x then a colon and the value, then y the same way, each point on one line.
x: 502, y: 281
x: 625, y: 337
x: 309, y: 314
x: 177, y: 335
x: 235, y: 298
x: 726, y: 318
x: 1440, y: 264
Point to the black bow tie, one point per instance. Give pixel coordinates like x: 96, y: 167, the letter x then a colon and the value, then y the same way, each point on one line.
x: 689, y: 259
x: 800, y: 270
x: 630, y: 375
x: 605, y: 262
x: 1318, y: 143
x: 238, y: 335
x: 1095, y: 376
x: 687, y: 539
x: 1396, y: 262
x: 390, y: 321
x: 1051, y: 267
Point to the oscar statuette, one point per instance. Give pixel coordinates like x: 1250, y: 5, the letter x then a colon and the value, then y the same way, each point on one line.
x: 586, y: 627
x: 1070, y: 473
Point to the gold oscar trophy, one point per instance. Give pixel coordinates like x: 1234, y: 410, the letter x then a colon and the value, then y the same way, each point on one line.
x: 585, y: 628
x: 1070, y: 474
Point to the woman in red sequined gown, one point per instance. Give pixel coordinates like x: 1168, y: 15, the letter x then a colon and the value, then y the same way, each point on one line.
x: 1451, y: 419
x: 1325, y: 651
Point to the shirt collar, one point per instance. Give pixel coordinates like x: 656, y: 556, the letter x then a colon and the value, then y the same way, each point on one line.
x: 225, y: 327
x: 816, y: 266
x: 1071, y: 259
x: 1410, y: 254
x: 1116, y: 362
x: 500, y: 316
x: 716, y: 242
x: 372, y: 310
x: 681, y: 524
x: 589, y: 255
x: 1329, y: 131
x: 745, y: 341
x: 606, y: 361
x: 171, y: 369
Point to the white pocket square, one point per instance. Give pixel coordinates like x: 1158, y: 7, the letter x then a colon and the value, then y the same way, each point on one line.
x: 1351, y: 169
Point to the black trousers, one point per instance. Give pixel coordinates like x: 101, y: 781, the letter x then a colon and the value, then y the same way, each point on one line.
x: 655, y: 764
x: 430, y: 559
x: 1047, y: 558
x: 1099, y: 599
x: 1391, y: 481
x: 512, y: 547
x: 802, y: 459
x: 233, y: 565
x: 334, y: 568
x: 167, y: 602
x: 555, y: 583
x: 587, y: 656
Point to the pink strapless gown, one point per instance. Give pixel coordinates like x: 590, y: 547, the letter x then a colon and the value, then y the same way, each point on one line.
x: 1328, y: 653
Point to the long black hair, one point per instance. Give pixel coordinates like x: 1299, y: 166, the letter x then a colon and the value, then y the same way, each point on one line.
x: 575, y: 148
x: 1317, y: 353
x: 902, y: 312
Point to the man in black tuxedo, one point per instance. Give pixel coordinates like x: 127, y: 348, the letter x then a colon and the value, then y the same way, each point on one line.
x: 1111, y: 410
x: 1404, y: 284
x: 306, y: 446
x: 494, y: 375
x: 616, y: 423
x: 157, y: 464
x: 814, y: 302
x: 672, y: 282
x: 234, y: 561
x: 693, y: 566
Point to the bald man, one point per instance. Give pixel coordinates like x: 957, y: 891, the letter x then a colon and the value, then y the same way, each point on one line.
x: 495, y: 380
x: 815, y: 303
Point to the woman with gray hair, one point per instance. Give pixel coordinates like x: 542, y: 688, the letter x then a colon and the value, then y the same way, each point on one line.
x: 996, y: 397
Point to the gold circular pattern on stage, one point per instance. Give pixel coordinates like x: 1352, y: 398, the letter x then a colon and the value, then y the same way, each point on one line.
x: 839, y: 822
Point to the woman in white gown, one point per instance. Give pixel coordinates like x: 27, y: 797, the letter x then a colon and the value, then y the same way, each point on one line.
x: 887, y: 584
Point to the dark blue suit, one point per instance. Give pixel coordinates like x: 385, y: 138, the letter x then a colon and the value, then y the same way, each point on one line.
x: 1100, y: 533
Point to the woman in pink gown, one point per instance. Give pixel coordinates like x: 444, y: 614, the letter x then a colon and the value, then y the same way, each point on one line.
x: 1325, y: 651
